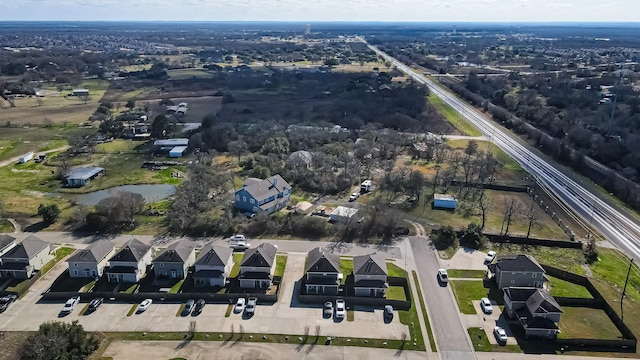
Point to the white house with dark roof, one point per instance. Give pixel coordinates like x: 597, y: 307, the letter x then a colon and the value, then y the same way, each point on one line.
x: 370, y: 275
x: 257, y: 266
x: 322, y: 272
x: 175, y: 261
x: 517, y: 271
x: 213, y: 265
x: 25, y: 258
x: 535, y: 309
x: 268, y: 195
x: 91, y: 261
x: 129, y: 264
x: 6, y: 243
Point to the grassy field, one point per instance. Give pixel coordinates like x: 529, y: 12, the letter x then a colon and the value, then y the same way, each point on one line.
x: 182, y: 74
x: 57, y: 107
x: 460, y: 218
x: 235, y: 270
x: 6, y: 226
x: 563, y: 288
x: 199, y: 107
x: 453, y: 117
x: 466, y: 291
x: 281, y: 264
x: 586, y: 323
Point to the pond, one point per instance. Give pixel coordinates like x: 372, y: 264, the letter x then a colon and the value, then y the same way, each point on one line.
x: 150, y: 192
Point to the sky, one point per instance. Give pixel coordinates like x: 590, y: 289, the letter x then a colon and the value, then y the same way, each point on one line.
x: 325, y: 10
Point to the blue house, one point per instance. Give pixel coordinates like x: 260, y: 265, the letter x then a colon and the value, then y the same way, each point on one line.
x: 268, y: 195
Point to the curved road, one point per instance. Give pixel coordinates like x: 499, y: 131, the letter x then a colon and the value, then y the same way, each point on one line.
x: 615, y: 224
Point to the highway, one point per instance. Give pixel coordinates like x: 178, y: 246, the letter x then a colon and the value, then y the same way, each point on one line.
x: 619, y: 228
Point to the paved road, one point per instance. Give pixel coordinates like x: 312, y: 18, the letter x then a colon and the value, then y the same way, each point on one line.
x: 450, y: 335
x: 15, y: 159
x: 614, y: 222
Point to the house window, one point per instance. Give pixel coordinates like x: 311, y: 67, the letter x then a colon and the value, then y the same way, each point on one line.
x: 513, y: 281
x: 161, y: 264
x: 75, y: 272
x: 75, y: 264
x: 237, y: 197
x: 244, y: 199
x: 534, y: 275
x: 253, y: 201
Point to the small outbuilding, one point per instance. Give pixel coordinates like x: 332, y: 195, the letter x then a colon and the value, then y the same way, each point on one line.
x: 177, y: 151
x: 81, y: 176
x: 444, y: 201
x: 342, y: 214
x: 26, y: 157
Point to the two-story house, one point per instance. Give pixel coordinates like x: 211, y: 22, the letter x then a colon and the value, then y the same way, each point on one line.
x: 322, y: 272
x: 535, y: 309
x: 517, y: 271
x: 6, y: 243
x: 175, y: 261
x: 213, y: 265
x: 25, y: 258
x: 91, y: 261
x: 129, y: 264
x: 370, y: 275
x: 257, y: 266
x: 268, y: 195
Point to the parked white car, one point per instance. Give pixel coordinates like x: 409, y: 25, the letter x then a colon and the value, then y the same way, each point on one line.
x: 485, y: 304
x: 144, y: 305
x: 250, y: 309
x: 239, y: 305
x: 491, y: 255
x: 354, y: 197
x: 500, y: 334
x: 341, y: 309
x: 443, y: 276
x: 70, y: 304
x: 239, y: 242
x: 237, y: 237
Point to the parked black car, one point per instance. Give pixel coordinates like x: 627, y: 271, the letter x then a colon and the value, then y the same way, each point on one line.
x: 199, y: 306
x: 93, y: 305
x: 5, y: 301
x: 188, y: 307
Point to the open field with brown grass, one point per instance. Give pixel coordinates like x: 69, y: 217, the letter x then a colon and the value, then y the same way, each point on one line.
x: 57, y: 107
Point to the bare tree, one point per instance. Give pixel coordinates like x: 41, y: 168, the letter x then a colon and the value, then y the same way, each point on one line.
x: 533, y: 216
x: 47, y: 122
x: 485, y: 204
x: 511, y: 210
x: 84, y: 98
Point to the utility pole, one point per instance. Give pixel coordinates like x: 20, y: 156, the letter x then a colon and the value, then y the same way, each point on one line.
x: 624, y: 290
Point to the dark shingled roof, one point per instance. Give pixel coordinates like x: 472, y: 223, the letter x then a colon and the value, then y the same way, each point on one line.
x: 27, y: 249
x: 372, y: 264
x: 266, y: 188
x: 319, y: 260
x: 261, y: 256
x: 177, y: 252
x: 519, y: 263
x: 538, y: 322
x: 541, y: 302
x: 95, y: 252
x: 214, y: 255
x: 519, y: 293
x: 6, y: 240
x: 371, y: 284
x: 132, y: 251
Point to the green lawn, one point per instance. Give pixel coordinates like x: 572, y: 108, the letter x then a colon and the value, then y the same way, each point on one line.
x: 396, y: 293
x: 563, y: 288
x: 409, y: 317
x: 235, y: 270
x: 281, y: 264
x: 176, y: 287
x: 453, y: 117
x: 481, y: 343
x: 396, y: 271
x: 6, y: 226
x: 466, y: 291
x: 346, y: 268
x: 587, y: 323
x: 469, y: 274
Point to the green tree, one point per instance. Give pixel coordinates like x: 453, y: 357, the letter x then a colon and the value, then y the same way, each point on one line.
x: 49, y: 213
x: 159, y: 126
x: 130, y: 104
x: 472, y: 237
x: 59, y: 340
x: 444, y: 238
x: 111, y: 128
x: 275, y: 145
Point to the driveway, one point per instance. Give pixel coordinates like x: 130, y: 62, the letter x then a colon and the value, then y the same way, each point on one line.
x: 15, y: 159
x: 450, y: 334
x: 465, y: 259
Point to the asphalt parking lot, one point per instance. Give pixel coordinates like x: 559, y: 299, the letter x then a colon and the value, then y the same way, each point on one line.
x: 286, y: 316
